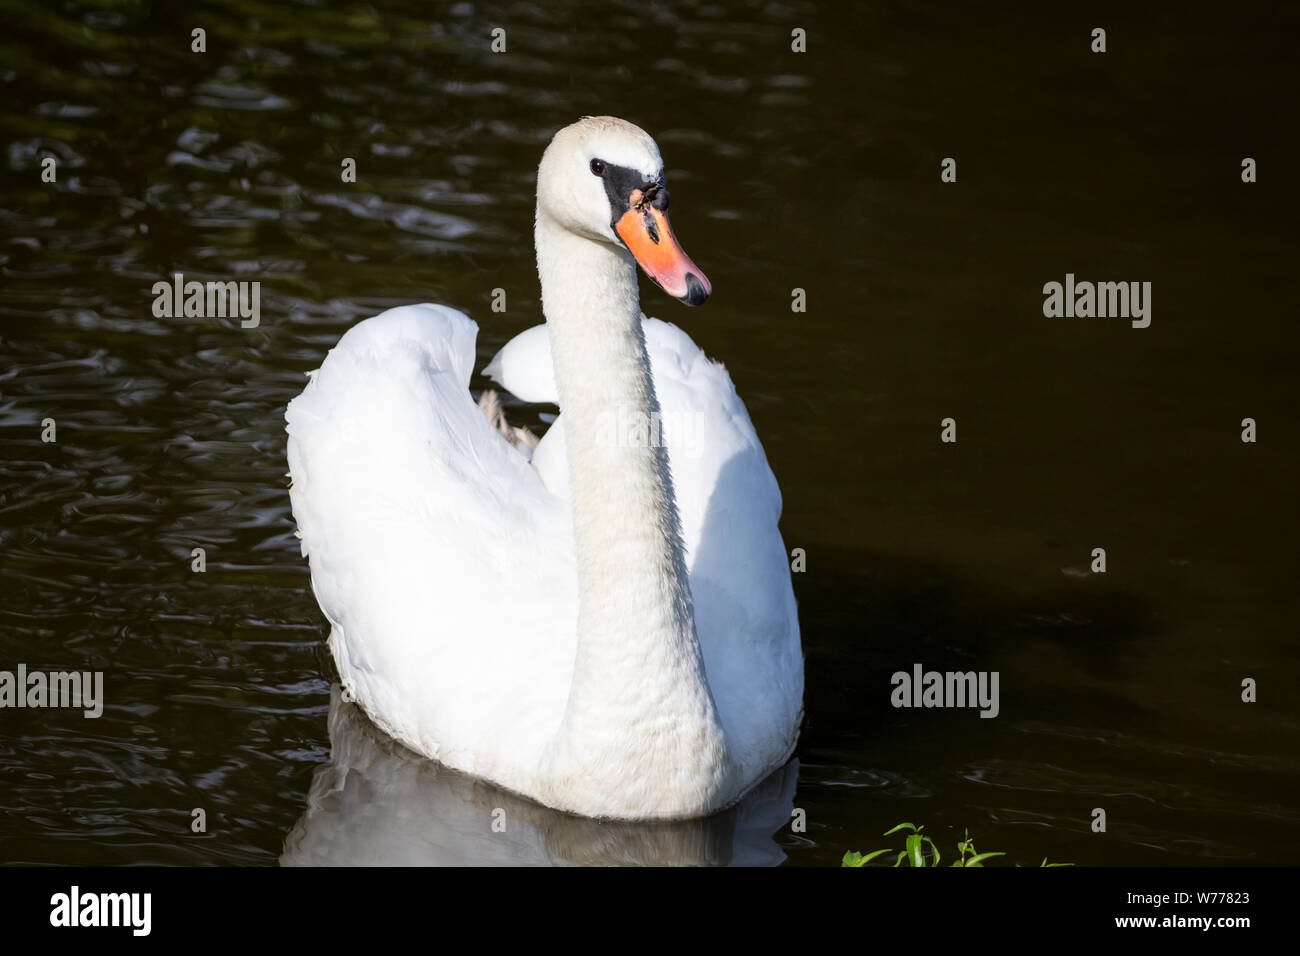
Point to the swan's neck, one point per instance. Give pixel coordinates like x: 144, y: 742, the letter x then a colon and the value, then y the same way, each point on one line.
x: 640, y: 717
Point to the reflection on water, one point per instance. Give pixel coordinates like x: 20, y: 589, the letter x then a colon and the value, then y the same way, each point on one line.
x: 378, y: 804
x: 815, y: 171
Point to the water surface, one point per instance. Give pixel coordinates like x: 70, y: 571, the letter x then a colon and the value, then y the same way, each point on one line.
x: 817, y: 171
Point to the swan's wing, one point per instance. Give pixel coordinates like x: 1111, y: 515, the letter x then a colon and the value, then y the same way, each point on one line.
x: 729, y: 505
x: 523, y: 367
x: 435, y: 551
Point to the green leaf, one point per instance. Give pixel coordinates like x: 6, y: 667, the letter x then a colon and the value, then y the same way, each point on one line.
x: 914, y: 854
x: 967, y: 845
x: 909, y: 826
x: 936, y: 850
x: 854, y: 858
x: 902, y: 854
x: 975, y: 860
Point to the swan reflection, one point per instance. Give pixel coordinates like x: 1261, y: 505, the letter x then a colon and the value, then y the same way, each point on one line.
x: 377, y: 804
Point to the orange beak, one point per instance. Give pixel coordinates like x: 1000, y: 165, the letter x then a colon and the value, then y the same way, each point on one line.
x: 647, y: 235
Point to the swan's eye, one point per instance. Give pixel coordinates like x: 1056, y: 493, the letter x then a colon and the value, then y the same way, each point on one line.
x: 597, y: 167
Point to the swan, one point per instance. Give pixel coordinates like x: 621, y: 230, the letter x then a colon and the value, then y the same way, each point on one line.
x: 606, y: 625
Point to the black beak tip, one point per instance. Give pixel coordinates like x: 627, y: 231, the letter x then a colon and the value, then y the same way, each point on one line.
x: 696, y: 293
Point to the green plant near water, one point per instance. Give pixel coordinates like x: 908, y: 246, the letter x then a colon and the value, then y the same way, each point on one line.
x: 920, y: 850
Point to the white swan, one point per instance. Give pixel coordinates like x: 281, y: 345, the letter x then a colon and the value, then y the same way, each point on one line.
x: 610, y: 630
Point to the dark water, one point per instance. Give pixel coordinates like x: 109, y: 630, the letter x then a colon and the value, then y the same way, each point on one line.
x: 818, y: 171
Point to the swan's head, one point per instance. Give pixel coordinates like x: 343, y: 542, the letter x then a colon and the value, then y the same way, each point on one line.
x: 602, y: 178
